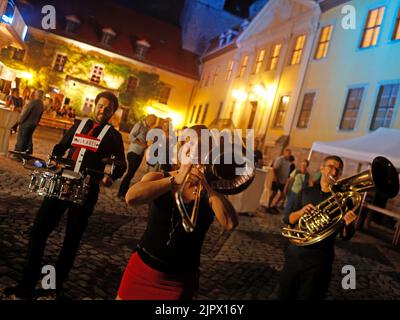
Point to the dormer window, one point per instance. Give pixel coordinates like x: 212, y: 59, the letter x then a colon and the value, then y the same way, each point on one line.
x: 142, y: 46
x: 221, y: 39
x: 107, y: 36
x: 72, y: 24
x: 230, y: 34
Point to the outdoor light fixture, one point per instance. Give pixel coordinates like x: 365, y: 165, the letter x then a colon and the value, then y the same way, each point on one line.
x: 285, y: 99
x: 26, y: 75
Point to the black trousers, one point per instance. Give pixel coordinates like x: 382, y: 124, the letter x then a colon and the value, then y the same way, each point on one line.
x: 24, y: 139
x: 305, y: 277
x: 46, y: 221
x: 134, y: 161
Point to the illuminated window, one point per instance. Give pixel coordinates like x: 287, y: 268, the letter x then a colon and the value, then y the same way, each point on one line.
x: 163, y: 94
x: 323, y: 43
x: 306, y: 108
x: 59, y: 63
x: 351, y: 109
x: 18, y: 54
x: 259, y: 61
x: 385, y: 104
x: 243, y: 66
x: 204, y: 113
x: 215, y: 76
x: 396, y: 32
x: 88, y: 107
x: 298, y: 50
x: 281, y: 112
x: 132, y: 84
x: 372, y: 27
x: 274, y: 57
x: 198, y: 114
x: 192, y: 115
x: 229, y: 71
x: 97, y: 73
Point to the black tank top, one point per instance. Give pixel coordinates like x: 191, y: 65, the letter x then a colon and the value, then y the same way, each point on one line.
x: 165, y: 245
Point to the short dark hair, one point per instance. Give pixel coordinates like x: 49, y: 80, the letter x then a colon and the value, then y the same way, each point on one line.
x: 336, y: 158
x: 110, y: 97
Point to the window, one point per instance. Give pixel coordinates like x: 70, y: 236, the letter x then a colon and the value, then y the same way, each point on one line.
x: 18, y: 54
x: 229, y: 71
x: 221, y: 104
x: 59, y: 63
x: 198, y: 114
x: 88, y: 107
x: 215, y: 76
x: 385, y: 104
x: 372, y: 27
x: 163, y: 94
x: 351, y: 109
x: 192, y: 115
x: 243, y: 66
x: 142, y: 46
x: 97, y: 73
x: 204, y: 113
x: 396, y: 32
x: 274, y: 57
x: 132, y: 84
x: 107, y: 36
x: 298, y: 50
x: 281, y: 112
x: 323, y: 43
x: 259, y: 61
x: 72, y: 24
x: 305, y: 111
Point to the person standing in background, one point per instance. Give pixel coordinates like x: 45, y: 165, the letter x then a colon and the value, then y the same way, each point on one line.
x: 28, y: 122
x: 136, y: 150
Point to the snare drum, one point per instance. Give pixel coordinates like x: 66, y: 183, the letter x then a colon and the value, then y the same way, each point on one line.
x: 66, y: 186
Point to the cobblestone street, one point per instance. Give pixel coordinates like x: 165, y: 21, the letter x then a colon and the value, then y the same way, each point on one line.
x: 244, y: 264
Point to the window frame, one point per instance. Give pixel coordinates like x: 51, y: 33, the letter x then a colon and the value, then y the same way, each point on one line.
x: 229, y: 71
x: 319, y: 43
x: 294, y: 50
x: 55, y: 61
x: 363, y: 32
x: 102, y: 74
x: 315, y: 92
x: 259, y: 62
x: 345, y: 103
x: 243, y: 66
x: 272, y: 57
x: 277, y: 110
x: 395, y: 107
x: 396, y: 26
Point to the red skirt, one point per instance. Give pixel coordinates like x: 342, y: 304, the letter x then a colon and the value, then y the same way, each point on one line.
x: 141, y: 282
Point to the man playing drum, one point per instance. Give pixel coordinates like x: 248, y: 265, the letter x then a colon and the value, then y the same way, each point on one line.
x: 89, y: 142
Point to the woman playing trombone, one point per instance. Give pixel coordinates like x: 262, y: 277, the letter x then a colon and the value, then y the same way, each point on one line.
x: 166, y: 263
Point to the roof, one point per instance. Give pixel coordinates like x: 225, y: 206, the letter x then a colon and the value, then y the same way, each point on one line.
x: 382, y: 142
x: 165, y: 39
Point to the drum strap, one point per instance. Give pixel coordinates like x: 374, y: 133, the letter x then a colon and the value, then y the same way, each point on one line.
x: 82, y: 152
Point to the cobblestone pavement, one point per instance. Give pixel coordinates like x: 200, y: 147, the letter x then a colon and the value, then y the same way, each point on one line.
x: 244, y: 264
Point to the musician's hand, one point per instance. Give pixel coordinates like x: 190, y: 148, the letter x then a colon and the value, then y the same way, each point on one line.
x: 107, y: 181
x: 306, y: 209
x: 196, y: 177
x: 349, y: 217
x: 183, y: 170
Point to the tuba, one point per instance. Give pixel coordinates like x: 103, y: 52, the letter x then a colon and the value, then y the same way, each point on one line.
x: 221, y: 177
x: 328, y: 215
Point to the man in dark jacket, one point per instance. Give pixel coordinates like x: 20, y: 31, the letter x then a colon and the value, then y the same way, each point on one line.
x: 28, y: 122
x: 90, y: 142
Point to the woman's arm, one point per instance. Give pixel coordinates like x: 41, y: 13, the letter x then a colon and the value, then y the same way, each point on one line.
x: 152, y: 185
x: 223, y: 210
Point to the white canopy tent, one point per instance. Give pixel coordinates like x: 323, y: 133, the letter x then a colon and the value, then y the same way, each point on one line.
x: 382, y: 142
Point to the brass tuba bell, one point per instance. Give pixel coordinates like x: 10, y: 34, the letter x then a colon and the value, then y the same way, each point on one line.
x: 327, y: 217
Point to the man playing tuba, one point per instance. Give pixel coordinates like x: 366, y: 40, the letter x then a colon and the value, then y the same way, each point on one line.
x: 307, y: 270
